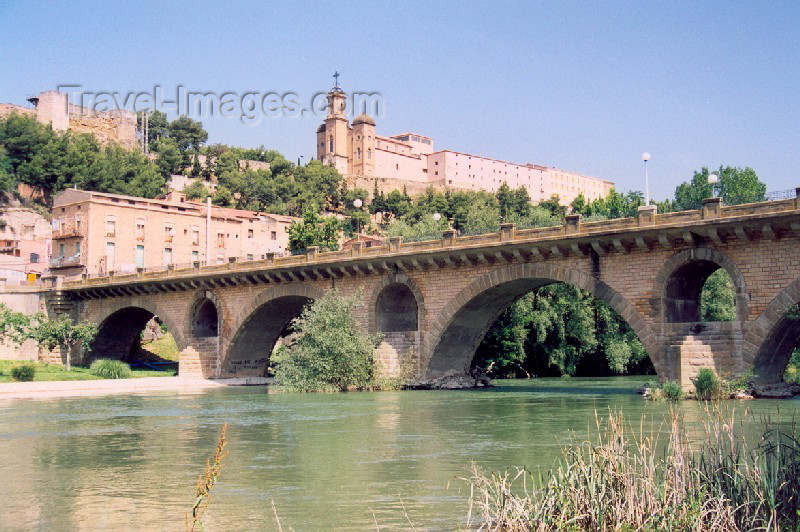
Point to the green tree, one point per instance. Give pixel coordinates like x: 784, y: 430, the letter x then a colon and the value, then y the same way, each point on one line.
x: 62, y: 333
x: 196, y: 191
x: 187, y: 134
x: 14, y: 325
x: 332, y: 352
x: 313, y: 230
x: 718, y: 298
x: 157, y: 125
x: 168, y: 159
x: 735, y: 186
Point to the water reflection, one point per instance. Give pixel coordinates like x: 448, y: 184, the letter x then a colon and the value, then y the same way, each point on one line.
x: 328, y: 461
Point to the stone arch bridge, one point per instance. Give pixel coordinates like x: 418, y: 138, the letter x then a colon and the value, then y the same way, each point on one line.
x: 435, y: 300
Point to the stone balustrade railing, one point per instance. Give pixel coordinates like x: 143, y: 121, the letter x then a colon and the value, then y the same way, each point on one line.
x: 712, y: 212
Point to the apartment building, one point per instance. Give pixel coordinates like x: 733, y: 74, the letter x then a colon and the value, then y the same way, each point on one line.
x: 409, y: 160
x: 24, y: 245
x: 97, y: 233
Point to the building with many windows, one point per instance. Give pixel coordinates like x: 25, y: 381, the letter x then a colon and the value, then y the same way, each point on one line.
x: 409, y: 160
x: 24, y: 245
x: 97, y: 233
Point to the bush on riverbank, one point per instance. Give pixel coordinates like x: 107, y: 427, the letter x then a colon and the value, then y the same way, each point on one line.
x: 23, y: 373
x: 110, y: 369
x: 331, y: 351
x: 626, y: 481
x: 667, y: 391
x: 708, y: 386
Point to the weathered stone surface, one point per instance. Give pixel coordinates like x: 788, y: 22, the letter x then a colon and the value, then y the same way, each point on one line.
x: 780, y: 390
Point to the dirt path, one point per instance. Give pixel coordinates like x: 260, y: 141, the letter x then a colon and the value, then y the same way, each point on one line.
x: 55, y: 389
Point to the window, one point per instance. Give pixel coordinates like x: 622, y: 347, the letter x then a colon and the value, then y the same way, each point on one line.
x: 78, y: 248
x: 195, y: 236
x: 140, y: 229
x: 110, y: 255
x: 167, y: 256
x: 369, y: 153
x: 220, y: 258
x: 195, y: 256
x: 330, y: 144
x: 34, y: 258
x: 249, y: 256
x: 273, y: 235
x: 111, y: 227
x: 78, y: 224
x: 61, y: 251
x: 140, y: 256
x: 221, y: 240
x: 249, y: 233
x: 169, y: 233
x: 358, y: 154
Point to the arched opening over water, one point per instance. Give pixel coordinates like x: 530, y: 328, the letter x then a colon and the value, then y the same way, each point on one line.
x: 205, y: 319
x: 780, y: 348
x: 137, y: 336
x: 558, y: 330
x: 464, y: 326
x: 262, y: 326
x: 701, y: 285
x: 396, y: 309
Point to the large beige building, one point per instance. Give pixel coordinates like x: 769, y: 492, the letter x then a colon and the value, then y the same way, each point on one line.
x: 409, y: 160
x: 94, y: 233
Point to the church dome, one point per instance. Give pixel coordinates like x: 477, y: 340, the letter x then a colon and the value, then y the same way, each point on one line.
x: 363, y: 119
x: 321, y: 128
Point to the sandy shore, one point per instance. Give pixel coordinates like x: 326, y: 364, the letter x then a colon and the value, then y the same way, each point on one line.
x: 55, y: 389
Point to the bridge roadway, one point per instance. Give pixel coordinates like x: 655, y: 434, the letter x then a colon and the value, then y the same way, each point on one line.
x: 435, y: 300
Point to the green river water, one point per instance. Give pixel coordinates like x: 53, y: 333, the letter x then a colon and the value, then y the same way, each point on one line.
x: 328, y: 461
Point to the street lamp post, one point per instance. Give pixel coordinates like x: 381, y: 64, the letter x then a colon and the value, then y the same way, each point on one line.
x: 713, y: 179
x: 645, y: 158
x: 357, y: 203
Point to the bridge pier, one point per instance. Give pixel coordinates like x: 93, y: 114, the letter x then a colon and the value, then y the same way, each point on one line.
x: 693, y: 346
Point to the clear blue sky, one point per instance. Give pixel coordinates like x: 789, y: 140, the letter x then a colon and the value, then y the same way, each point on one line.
x: 584, y: 86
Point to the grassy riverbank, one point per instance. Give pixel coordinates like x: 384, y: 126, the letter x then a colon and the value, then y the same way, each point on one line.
x: 626, y: 479
x: 55, y: 372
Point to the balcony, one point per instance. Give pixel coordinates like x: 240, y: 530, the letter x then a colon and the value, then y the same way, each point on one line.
x: 66, y: 262
x: 9, y: 247
x: 68, y: 231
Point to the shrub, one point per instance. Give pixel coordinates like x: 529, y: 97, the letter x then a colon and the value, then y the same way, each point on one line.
x: 669, y: 391
x: 672, y: 391
x: 23, y: 373
x: 332, y: 352
x: 707, y: 385
x: 110, y: 369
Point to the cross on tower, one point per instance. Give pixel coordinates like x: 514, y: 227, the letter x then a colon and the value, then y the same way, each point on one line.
x: 336, y: 78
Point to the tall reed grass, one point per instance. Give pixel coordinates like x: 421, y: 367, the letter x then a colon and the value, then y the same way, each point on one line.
x: 626, y: 479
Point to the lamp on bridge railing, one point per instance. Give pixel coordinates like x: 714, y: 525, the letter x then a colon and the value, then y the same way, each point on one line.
x: 357, y: 203
x: 645, y: 158
x: 713, y: 179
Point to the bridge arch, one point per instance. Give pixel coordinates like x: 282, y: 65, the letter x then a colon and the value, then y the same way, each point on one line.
x: 679, y: 283
x: 771, y: 338
x: 396, y: 304
x: 205, y: 316
x: 122, y: 320
x: 454, y: 336
x: 257, y: 327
